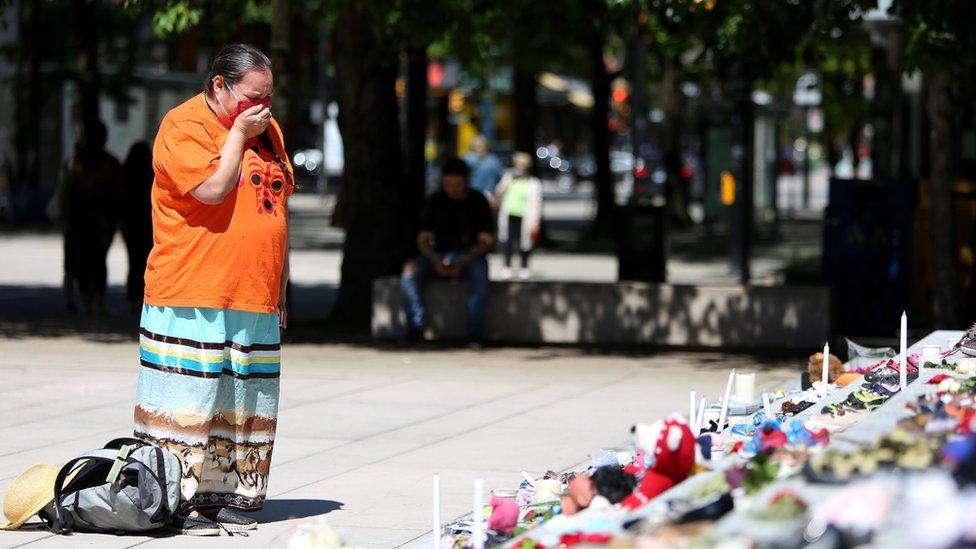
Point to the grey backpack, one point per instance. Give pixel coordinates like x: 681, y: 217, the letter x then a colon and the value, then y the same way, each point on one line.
x: 128, y: 486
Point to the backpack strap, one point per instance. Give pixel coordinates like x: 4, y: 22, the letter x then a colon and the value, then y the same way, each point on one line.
x: 118, y: 443
x: 164, y: 511
x: 63, y: 522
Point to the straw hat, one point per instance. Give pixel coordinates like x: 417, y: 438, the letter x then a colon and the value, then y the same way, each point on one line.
x: 28, y: 494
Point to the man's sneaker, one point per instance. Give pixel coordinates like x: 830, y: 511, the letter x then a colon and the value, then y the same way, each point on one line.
x: 413, y: 334
x: 506, y: 273
x: 524, y: 274
x: 194, y: 526
x: 230, y: 519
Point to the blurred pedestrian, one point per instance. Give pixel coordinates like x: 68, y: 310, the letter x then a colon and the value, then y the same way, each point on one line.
x: 136, y: 218
x: 486, y: 168
x: 455, y: 234
x: 90, y: 182
x: 520, y: 214
x: 215, y: 292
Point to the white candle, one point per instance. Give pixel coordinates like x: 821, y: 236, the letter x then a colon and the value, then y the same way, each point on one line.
x: 825, y: 373
x: 903, y: 367
x: 691, y: 410
x: 725, y: 401
x: 766, y: 406
x: 700, y: 417
x: 436, y: 522
x: 478, y: 532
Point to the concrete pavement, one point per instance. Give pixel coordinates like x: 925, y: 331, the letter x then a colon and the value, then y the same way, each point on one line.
x: 362, y: 430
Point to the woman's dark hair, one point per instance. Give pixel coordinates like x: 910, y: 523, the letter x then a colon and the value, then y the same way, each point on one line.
x: 456, y: 166
x: 613, y: 483
x: 233, y: 62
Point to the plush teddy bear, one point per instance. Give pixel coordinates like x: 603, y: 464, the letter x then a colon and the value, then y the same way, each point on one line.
x: 504, y: 515
x: 835, y: 368
x: 669, y: 447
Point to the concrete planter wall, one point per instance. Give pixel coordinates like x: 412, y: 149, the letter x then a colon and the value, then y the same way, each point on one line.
x: 623, y: 313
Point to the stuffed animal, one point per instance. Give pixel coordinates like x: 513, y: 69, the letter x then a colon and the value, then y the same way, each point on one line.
x: 604, y: 487
x: 834, y: 367
x: 669, y: 447
x: 548, y: 489
x: 504, y: 515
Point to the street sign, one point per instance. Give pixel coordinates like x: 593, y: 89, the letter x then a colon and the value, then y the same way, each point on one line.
x: 808, y: 89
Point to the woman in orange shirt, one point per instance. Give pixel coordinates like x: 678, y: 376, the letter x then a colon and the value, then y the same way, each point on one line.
x: 214, y: 299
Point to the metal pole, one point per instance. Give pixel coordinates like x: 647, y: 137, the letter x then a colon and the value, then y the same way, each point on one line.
x: 806, y: 159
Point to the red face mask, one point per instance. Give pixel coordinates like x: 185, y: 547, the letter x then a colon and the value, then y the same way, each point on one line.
x: 242, y: 104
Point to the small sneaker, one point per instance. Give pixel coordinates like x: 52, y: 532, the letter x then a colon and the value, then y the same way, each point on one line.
x: 194, y: 526
x: 524, y: 274
x: 506, y: 273
x: 230, y: 519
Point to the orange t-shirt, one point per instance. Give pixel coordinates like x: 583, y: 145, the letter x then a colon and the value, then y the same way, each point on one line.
x: 229, y: 255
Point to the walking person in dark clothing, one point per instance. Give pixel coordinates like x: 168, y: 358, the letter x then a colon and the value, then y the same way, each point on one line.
x: 136, y: 219
x: 90, y: 182
x: 456, y: 231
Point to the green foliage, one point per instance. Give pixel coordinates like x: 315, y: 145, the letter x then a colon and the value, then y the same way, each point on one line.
x: 767, y: 35
x: 176, y: 18
x: 939, y: 34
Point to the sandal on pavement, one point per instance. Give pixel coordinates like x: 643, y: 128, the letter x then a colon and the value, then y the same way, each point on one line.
x: 194, y: 526
x: 230, y: 519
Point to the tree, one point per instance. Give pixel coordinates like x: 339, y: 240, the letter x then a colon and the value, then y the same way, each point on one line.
x: 90, y: 33
x: 600, y: 81
x: 940, y: 42
x: 744, y: 42
x: 367, y: 64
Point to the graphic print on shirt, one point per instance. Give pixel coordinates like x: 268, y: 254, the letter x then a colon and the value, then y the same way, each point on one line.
x: 267, y: 180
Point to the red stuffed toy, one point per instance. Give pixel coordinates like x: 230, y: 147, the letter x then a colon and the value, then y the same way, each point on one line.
x: 670, y: 450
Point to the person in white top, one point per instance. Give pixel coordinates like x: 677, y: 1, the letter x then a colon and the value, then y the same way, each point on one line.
x: 519, y: 213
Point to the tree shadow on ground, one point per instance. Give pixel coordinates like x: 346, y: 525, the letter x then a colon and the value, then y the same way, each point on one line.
x: 40, y: 311
x: 278, y: 510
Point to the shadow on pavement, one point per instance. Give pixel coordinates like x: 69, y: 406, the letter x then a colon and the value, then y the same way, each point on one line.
x: 278, y: 510
x: 40, y: 311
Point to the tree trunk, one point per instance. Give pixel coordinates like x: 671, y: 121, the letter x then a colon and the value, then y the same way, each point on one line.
x: 281, y: 61
x: 672, y: 104
x: 743, y: 125
x: 29, y: 100
x: 370, y: 206
x: 945, y: 279
x: 603, y: 179
x: 89, y: 79
x: 525, y: 110
x: 415, y: 172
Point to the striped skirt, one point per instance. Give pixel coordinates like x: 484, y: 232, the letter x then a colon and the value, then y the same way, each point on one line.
x: 208, y: 392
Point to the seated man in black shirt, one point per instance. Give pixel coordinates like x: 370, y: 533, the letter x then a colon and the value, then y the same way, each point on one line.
x: 455, y: 234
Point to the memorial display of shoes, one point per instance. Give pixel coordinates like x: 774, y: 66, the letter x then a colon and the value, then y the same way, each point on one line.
x: 816, y: 464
